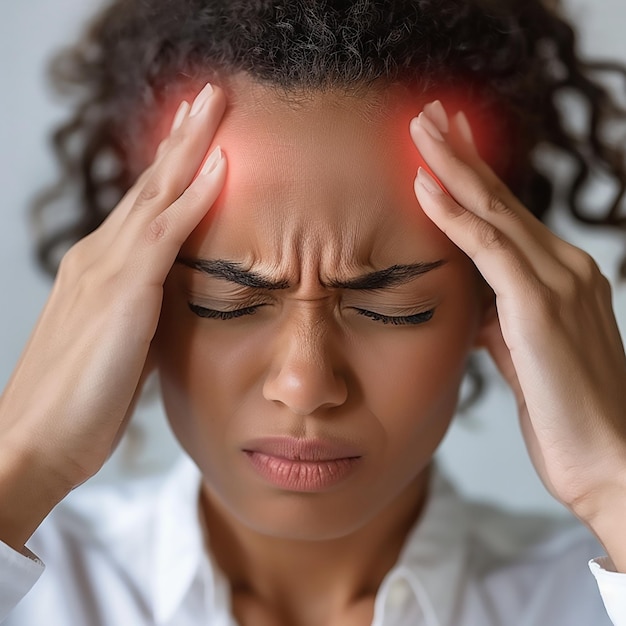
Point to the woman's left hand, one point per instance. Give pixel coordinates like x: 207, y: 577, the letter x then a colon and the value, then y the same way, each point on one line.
x: 553, y: 334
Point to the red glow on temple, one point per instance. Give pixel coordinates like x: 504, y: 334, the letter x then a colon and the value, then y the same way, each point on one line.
x: 490, y: 125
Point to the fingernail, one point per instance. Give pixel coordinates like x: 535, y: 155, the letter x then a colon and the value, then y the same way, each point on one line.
x: 438, y: 115
x: 201, y: 99
x: 464, y: 128
x: 428, y: 182
x: 179, y: 117
x: 424, y: 121
x: 211, y: 163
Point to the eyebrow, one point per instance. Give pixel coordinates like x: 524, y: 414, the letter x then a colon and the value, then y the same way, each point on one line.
x: 379, y: 279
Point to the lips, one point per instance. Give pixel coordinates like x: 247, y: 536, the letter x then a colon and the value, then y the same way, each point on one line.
x: 293, y: 449
x: 305, y: 465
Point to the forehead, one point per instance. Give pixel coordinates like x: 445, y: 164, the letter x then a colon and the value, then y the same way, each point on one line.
x: 328, y: 177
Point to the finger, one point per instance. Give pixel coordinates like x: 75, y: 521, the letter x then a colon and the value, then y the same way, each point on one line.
x: 104, y: 235
x: 457, y: 171
x: 560, y: 265
x: 138, y: 222
x: 498, y: 259
x: 117, y: 216
x: 186, y: 150
x: 476, y: 187
x: 164, y: 236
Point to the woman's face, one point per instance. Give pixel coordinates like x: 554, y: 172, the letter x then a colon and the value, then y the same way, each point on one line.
x: 319, y: 219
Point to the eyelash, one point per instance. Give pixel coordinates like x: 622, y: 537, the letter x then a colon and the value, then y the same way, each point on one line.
x: 418, y: 318
x: 201, y: 311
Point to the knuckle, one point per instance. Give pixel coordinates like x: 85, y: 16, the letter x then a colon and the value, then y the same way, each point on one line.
x: 158, y: 229
x: 158, y: 186
x: 68, y: 260
x: 499, y: 188
x: 581, y: 277
x: 152, y: 190
x: 587, y: 268
x: 494, y: 205
x: 456, y: 211
x: 74, y: 260
x: 490, y: 237
x: 143, y: 178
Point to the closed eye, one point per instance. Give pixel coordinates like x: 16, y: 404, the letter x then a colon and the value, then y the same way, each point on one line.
x: 201, y: 311
x: 417, y: 318
x: 403, y: 320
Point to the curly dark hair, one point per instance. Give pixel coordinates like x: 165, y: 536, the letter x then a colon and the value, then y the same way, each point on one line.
x: 514, y: 57
x: 518, y: 56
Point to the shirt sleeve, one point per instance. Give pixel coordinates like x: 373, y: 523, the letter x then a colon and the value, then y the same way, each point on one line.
x: 612, y: 587
x: 19, y: 571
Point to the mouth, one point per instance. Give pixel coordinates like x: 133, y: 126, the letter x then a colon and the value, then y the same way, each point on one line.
x: 305, y: 465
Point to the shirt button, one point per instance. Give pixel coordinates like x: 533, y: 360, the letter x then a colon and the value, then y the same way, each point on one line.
x: 399, y: 593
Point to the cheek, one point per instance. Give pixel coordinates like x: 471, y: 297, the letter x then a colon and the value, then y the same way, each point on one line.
x: 411, y: 382
x: 410, y: 388
x: 202, y: 371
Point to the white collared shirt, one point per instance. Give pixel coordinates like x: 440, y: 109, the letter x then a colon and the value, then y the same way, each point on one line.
x: 135, y: 554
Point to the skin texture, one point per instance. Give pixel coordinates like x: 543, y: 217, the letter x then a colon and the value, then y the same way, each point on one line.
x: 315, y: 194
x: 308, y: 195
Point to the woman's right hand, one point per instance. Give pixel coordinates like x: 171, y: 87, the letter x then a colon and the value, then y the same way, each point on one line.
x: 74, y: 387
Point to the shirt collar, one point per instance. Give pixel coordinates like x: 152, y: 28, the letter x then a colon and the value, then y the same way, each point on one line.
x: 431, y: 564
x: 178, y: 540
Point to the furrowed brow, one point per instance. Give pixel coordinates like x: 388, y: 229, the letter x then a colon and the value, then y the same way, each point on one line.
x: 233, y: 272
x: 388, y: 277
x: 380, y: 279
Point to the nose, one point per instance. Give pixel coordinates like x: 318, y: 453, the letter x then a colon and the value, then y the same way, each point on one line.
x: 306, y: 372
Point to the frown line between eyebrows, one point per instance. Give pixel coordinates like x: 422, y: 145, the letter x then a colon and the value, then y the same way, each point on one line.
x: 379, y: 279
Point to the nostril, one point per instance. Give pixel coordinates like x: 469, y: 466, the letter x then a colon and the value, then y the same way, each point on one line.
x: 305, y: 390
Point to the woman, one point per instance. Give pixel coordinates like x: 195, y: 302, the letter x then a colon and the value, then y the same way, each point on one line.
x: 309, y: 264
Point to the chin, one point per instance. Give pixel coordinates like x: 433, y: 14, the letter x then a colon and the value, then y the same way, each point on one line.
x: 297, y: 516
x: 301, y: 526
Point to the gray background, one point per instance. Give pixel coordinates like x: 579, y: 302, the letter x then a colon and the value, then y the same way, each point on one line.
x: 484, y: 451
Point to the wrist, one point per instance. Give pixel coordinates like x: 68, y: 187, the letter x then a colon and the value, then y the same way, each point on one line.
x: 605, y: 516
x: 28, y: 493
